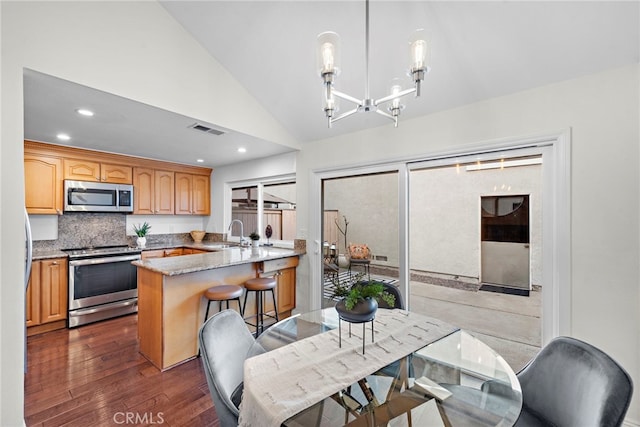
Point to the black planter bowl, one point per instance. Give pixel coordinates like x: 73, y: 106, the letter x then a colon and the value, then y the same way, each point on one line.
x: 363, y: 311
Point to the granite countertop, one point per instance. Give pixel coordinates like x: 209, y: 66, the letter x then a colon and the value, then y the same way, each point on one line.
x: 207, y: 246
x: 40, y: 254
x: 221, y: 255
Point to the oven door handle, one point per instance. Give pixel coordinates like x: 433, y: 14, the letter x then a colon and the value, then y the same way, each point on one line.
x: 104, y: 307
x: 104, y: 260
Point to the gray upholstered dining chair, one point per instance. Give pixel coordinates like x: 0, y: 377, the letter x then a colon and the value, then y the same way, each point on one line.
x: 572, y: 383
x: 224, y: 343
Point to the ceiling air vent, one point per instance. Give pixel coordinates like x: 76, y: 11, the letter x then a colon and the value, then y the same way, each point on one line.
x: 206, y: 129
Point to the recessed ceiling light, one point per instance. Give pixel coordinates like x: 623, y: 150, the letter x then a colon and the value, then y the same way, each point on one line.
x: 84, y: 112
x: 200, y: 160
x: 63, y: 136
x: 242, y: 150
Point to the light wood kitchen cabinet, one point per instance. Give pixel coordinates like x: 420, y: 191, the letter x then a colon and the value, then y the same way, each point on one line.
x: 47, y: 166
x: 164, y: 193
x: 190, y: 251
x: 286, y: 290
x: 173, y: 252
x: 88, y: 170
x: 152, y: 254
x: 153, y: 192
x: 192, y: 194
x: 201, y: 200
x: 184, y: 194
x: 161, y: 253
x: 43, y: 184
x: 32, y: 311
x: 117, y: 174
x: 284, y: 271
x: 81, y: 170
x: 47, y: 293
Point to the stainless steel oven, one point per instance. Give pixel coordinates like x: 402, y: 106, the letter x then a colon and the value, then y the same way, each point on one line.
x: 102, y: 284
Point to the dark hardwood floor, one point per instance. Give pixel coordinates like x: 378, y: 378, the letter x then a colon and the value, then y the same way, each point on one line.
x: 94, y: 376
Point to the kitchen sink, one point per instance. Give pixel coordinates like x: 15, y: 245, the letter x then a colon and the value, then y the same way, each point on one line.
x: 221, y: 246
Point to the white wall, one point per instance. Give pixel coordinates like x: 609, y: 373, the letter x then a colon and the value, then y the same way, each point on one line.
x: 602, y: 112
x: 131, y: 49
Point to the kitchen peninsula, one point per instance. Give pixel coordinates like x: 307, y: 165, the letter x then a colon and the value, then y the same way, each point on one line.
x: 171, y: 305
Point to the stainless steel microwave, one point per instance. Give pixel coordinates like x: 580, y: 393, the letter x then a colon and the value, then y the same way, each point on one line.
x: 85, y: 196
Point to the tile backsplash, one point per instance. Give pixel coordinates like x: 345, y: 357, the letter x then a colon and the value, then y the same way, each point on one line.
x: 82, y: 230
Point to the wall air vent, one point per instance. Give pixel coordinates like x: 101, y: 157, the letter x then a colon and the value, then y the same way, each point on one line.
x: 206, y: 129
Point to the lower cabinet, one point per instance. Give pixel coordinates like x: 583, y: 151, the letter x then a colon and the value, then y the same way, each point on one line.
x: 174, y: 252
x: 286, y: 290
x: 284, y: 271
x: 161, y: 253
x: 47, y: 292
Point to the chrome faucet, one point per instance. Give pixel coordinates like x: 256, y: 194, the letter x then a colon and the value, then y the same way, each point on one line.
x: 242, y: 241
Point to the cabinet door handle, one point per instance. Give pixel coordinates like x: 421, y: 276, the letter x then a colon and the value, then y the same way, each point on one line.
x: 54, y: 263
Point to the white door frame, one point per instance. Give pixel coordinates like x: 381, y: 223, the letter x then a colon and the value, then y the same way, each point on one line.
x: 555, y: 148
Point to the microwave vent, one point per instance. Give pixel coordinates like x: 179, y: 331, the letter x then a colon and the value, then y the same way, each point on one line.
x: 206, y: 129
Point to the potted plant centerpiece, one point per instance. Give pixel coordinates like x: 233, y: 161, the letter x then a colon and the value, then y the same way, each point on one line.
x: 359, y: 298
x: 141, y: 231
x: 255, y: 238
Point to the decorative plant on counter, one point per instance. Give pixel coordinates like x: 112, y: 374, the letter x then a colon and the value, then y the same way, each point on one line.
x: 141, y: 230
x: 255, y: 239
x: 355, y: 290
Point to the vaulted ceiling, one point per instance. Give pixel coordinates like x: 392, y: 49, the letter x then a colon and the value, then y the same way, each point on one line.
x: 480, y: 50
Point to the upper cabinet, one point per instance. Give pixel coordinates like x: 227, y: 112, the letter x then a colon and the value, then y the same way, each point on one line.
x: 153, y: 192
x: 192, y: 194
x: 87, y: 170
x: 201, y: 195
x: 156, y: 187
x: 43, y: 184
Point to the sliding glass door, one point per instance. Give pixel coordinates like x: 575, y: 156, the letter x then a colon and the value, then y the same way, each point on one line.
x: 360, y: 210
x: 475, y: 223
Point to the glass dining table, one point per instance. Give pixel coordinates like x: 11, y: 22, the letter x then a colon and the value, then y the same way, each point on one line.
x: 455, y: 381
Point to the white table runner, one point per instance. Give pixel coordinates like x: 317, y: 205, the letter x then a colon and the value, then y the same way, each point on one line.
x: 280, y: 383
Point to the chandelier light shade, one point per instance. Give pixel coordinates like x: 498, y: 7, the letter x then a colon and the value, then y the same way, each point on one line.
x: 420, y: 52
x: 329, y: 53
x: 395, y: 106
x: 328, y: 60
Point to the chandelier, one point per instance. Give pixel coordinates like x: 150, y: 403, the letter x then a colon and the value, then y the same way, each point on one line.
x: 329, y: 66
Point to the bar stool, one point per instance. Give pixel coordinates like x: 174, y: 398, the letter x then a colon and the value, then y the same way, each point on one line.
x: 223, y: 293
x: 260, y: 285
